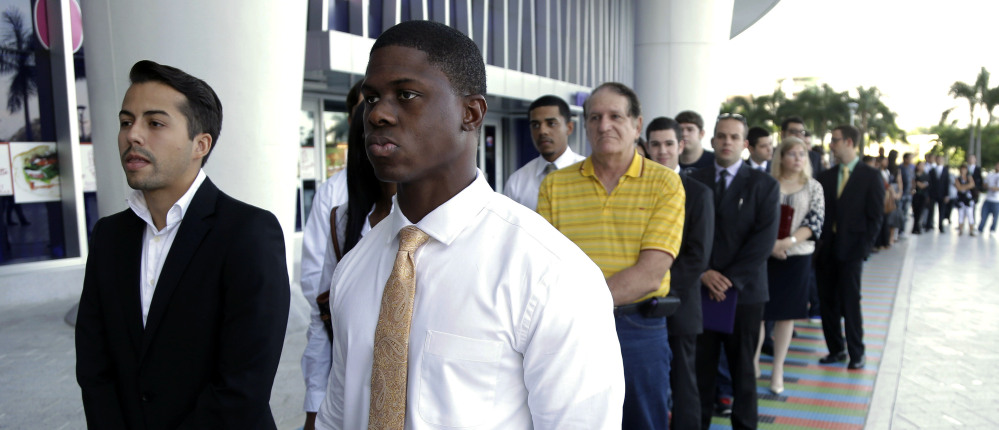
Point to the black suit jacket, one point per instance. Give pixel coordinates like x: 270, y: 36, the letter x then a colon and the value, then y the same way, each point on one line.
x: 979, y: 181
x: 210, y: 348
x: 746, y: 222
x: 857, y: 213
x: 816, y: 160
x: 692, y: 260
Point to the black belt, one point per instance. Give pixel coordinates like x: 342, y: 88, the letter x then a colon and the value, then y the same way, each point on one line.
x: 654, y: 307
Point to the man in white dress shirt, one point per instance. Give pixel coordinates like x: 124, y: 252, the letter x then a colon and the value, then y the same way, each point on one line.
x: 511, y: 324
x: 551, y: 126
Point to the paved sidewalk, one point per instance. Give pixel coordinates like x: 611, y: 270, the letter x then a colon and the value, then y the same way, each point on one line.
x: 940, y: 366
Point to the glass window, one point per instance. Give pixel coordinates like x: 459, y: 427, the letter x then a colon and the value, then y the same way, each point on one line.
x: 31, y: 227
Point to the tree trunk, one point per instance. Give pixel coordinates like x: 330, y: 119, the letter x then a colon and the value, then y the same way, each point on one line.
x: 27, y: 119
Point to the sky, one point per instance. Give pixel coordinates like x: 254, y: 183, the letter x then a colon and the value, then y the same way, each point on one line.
x: 912, y: 50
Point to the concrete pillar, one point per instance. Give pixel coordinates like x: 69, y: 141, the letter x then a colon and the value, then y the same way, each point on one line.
x: 679, y: 47
x: 251, y: 52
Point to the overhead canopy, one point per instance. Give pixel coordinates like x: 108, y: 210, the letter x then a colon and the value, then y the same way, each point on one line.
x: 747, y: 12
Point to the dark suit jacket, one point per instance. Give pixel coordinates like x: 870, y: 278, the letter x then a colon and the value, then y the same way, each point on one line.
x: 746, y: 223
x: 857, y: 213
x: 979, y: 181
x: 944, y: 181
x: 210, y: 348
x: 692, y: 260
x: 816, y: 160
x: 765, y: 169
x: 933, y: 190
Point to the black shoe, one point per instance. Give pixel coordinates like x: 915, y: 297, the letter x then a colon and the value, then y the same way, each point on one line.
x: 723, y: 407
x: 767, y: 350
x: 857, y: 364
x: 833, y: 358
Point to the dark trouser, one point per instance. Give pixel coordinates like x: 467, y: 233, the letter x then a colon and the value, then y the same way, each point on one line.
x: 646, y: 356
x: 943, y: 212
x: 929, y: 205
x: 740, y: 346
x: 917, y: 212
x: 683, y: 381
x: 839, y: 291
x: 813, y: 294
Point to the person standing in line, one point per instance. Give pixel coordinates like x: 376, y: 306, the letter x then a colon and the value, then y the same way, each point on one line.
x: 790, y: 262
x: 186, y: 295
x: 462, y: 308
x: 746, y: 221
x: 551, y: 126
x: 694, y: 156
x: 907, y: 172
x: 920, y: 197
x: 965, y: 202
x: 991, y: 205
x: 626, y: 213
x: 665, y: 147
x: 854, y: 199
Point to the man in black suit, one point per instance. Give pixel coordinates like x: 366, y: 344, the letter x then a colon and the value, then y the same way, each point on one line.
x: 746, y: 222
x: 761, y: 149
x: 854, y: 197
x: 185, y: 298
x: 942, y: 193
x: 665, y: 147
x: 931, y: 190
x: 975, y: 171
x: 794, y: 126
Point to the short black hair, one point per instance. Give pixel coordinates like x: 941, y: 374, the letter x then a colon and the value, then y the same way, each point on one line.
x: 663, y: 123
x: 634, y: 106
x: 202, y: 107
x: 754, y: 135
x: 791, y: 120
x: 448, y: 49
x: 690, y: 117
x: 849, y: 132
x: 550, y: 100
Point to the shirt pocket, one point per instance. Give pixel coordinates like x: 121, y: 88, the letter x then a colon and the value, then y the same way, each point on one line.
x: 458, y: 379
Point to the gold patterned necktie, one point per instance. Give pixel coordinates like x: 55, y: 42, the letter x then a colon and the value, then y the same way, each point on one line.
x: 389, y: 369
x: 845, y: 177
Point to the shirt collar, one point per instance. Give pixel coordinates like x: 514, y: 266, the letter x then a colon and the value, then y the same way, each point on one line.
x: 448, y: 220
x: 634, y: 169
x: 561, y: 162
x: 853, y: 164
x: 137, y: 201
x: 732, y: 170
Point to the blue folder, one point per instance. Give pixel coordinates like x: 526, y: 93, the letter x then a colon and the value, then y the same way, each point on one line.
x: 719, y: 316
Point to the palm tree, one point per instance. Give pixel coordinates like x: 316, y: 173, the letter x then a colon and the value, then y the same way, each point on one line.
x: 974, y: 94
x: 876, y: 119
x: 17, y: 59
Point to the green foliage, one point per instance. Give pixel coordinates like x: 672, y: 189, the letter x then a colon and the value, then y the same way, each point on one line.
x: 822, y: 108
x: 954, y: 143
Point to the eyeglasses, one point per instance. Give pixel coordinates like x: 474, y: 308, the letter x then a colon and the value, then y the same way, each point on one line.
x: 796, y: 132
x: 732, y: 115
x: 836, y: 139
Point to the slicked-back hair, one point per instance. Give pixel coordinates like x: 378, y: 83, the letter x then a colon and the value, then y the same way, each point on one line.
x: 447, y: 49
x: 663, y: 123
x: 634, y: 106
x: 550, y: 100
x: 849, y: 132
x: 690, y: 117
x: 791, y: 120
x: 755, y: 133
x: 202, y: 107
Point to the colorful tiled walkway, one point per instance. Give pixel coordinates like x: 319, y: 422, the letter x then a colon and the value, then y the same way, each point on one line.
x: 830, y: 396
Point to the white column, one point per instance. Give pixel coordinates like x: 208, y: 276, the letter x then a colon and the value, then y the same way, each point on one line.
x: 679, y: 47
x: 251, y: 52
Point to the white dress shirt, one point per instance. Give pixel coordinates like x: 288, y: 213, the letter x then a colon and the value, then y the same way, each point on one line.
x: 317, y: 358
x: 156, y: 243
x: 759, y: 166
x: 992, y: 181
x: 315, y: 239
x: 512, y: 325
x: 522, y: 186
x: 732, y: 171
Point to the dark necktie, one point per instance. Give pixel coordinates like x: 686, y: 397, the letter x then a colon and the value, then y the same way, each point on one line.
x: 720, y: 187
x: 549, y: 168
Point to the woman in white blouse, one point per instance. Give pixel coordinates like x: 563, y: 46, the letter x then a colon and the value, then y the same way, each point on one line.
x: 790, y: 262
x: 368, y: 202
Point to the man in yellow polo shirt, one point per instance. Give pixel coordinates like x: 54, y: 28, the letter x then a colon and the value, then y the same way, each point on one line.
x: 626, y: 213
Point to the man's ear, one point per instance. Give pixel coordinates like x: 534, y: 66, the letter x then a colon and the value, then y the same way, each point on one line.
x: 202, y: 145
x: 474, y: 112
x: 571, y: 125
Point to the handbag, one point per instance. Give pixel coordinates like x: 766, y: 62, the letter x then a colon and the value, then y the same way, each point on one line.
x: 890, y: 205
x: 323, y: 300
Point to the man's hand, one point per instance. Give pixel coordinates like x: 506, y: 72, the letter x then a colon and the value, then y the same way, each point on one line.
x: 716, y: 283
x: 310, y: 421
